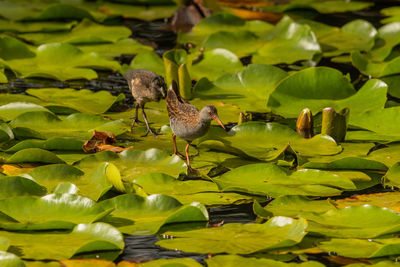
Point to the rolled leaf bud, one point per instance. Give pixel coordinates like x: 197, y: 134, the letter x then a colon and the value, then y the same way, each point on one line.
x: 334, y: 123
x: 305, y: 123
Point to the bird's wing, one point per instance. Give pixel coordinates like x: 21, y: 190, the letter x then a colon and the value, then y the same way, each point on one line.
x: 177, y: 106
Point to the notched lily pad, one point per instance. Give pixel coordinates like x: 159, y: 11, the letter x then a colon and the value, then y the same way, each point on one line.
x: 236, y: 238
x: 137, y: 215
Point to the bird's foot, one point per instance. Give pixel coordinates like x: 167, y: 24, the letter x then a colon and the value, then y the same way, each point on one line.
x: 135, y: 120
x: 152, y: 133
x: 184, y: 157
x: 192, y: 172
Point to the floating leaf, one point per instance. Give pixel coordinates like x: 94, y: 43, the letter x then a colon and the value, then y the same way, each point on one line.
x: 56, y: 211
x: 54, y: 143
x: 187, y: 192
x: 10, y: 260
x: 12, y: 110
x: 294, y: 205
x: 320, y: 87
x: 11, y: 48
x: 277, y: 232
x: 148, y: 60
x: 392, y: 177
x: 232, y: 260
x: 61, y: 61
x: 78, y: 125
x: 358, y: 222
x: 93, y: 183
x: 83, y: 100
x: 25, y: 27
x: 86, y: 32
x: 136, y: 215
x: 215, y: 63
x: 12, y: 186
x: 83, y: 238
x: 388, y: 200
x: 361, y: 248
x: 270, y: 179
x: 133, y: 163
x: 287, y: 42
x: 367, y: 66
x: 34, y: 155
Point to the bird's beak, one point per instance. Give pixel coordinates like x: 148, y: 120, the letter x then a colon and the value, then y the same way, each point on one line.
x: 219, y: 122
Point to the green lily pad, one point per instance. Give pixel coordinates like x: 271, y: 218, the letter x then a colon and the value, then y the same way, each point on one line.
x: 3, y: 77
x: 181, y: 262
x: 148, y: 60
x: 389, y: 200
x: 86, y: 32
x: 320, y: 87
x: 132, y: 163
x: 83, y: 238
x: 93, y: 183
x: 11, y: 48
x: 390, y: 34
x: 215, y: 63
x: 294, y: 205
x: 137, y: 215
x: 236, y: 260
x: 56, y: 211
x: 61, y: 61
x: 11, y: 186
x: 270, y: 179
x: 55, y: 143
x: 12, y: 110
x: 393, y: 14
x: 10, y: 260
x: 9, y: 98
x: 287, y: 42
x: 392, y: 177
x: 222, y: 22
x: 362, y: 248
x: 141, y: 12
x: 355, y: 35
x: 354, y: 156
x: 25, y: 27
x: 236, y: 238
x: 358, y: 222
x: 186, y: 192
x: 34, y: 155
x: 79, y: 125
x: 85, y: 101
x: 271, y: 137
x: 367, y: 66
x: 110, y: 51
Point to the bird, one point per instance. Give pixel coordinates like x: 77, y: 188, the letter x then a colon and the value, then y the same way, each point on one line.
x: 145, y: 86
x: 187, y: 122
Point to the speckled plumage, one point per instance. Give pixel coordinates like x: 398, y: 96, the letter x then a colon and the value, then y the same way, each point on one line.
x: 186, y: 121
x: 145, y: 86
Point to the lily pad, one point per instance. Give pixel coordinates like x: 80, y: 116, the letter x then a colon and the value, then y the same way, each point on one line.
x: 392, y: 177
x: 11, y: 48
x: 294, y: 205
x: 320, y: 87
x: 55, y: 143
x: 83, y: 238
x: 236, y: 238
x: 10, y: 260
x: 367, y: 66
x: 215, y: 63
x: 187, y: 192
x: 148, y: 60
x: 61, y: 61
x: 287, y: 42
x: 79, y: 125
x: 389, y: 200
x: 357, y: 222
x: 34, y: 155
x: 110, y: 51
x: 93, y: 183
x: 25, y: 27
x: 12, y: 110
x: 137, y: 215
x: 236, y: 260
x: 271, y: 137
x: 270, y: 179
x: 181, y: 262
x: 12, y: 186
x: 226, y: 22
x: 56, y: 211
x: 133, y: 163
x: 362, y: 248
x: 86, y: 32
x: 85, y: 101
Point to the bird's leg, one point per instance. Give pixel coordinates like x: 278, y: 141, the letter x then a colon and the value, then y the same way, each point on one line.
x: 149, y: 130
x: 136, y: 117
x: 190, y: 169
x: 176, y: 152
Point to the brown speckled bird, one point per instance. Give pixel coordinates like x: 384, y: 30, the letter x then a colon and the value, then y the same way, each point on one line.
x: 145, y: 86
x: 186, y: 121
